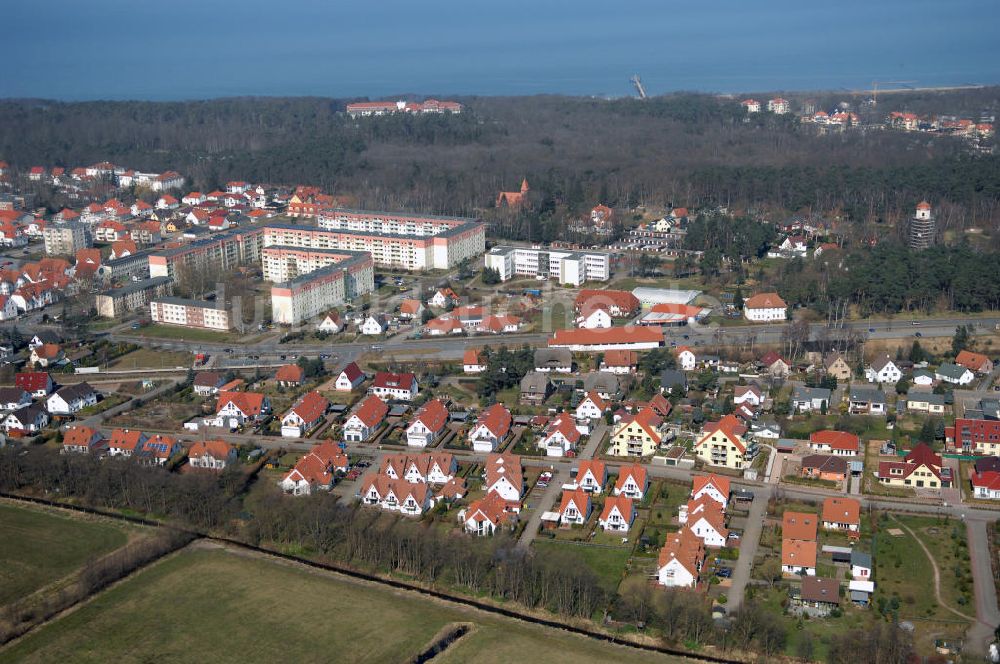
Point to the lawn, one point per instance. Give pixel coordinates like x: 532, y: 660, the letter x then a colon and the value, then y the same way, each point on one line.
x: 40, y: 547
x: 946, y: 539
x: 608, y: 563
x: 184, y: 333
x: 211, y: 605
x: 147, y: 358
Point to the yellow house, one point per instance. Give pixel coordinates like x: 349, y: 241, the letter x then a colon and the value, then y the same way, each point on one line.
x: 722, y: 444
x: 837, y: 367
x: 920, y: 401
x: 920, y: 469
x: 637, y: 436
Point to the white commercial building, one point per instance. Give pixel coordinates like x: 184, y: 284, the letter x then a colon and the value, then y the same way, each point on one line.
x: 564, y: 266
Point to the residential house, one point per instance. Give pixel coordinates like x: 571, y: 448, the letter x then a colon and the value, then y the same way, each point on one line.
x: 861, y: 566
x: 835, y: 365
x: 426, y: 467
x: 775, y: 365
x: 71, y: 399
x: 883, y: 370
x: 621, y: 362
x: 315, y: 470
x: 561, y: 437
x: 715, y: 487
x: 374, y: 325
x: 751, y: 395
x: 799, y: 526
x: 592, y: 407
x: 985, y: 484
x: 867, y: 401
x: 686, y: 359
x: 474, y: 361
x: 491, y: 429
x: 158, y: 449
x: 503, y: 475
x: 632, y: 481
x: 332, y: 323
x: 596, y: 318
x: 558, y: 360
x: 798, y: 557
x: 921, y: 468
x: 637, y: 435
x: 28, y: 420
x: 411, y: 310
x: 842, y: 514
x: 707, y: 520
x: 126, y: 442
x: 411, y: 499
x: 954, y: 374
x: 233, y: 409
x: 486, y: 515
x: 618, y: 514
x: 821, y: 595
x: 290, y: 375
x: 82, y: 439
x: 923, y: 378
x: 365, y: 420
x: 765, y: 307
x: 207, y: 383
x: 307, y: 414
x: 976, y: 362
x: 212, y: 454
x: 722, y: 443
x: 428, y: 425
x: 591, y: 476
x: 617, y: 303
x: 671, y: 380
x: 350, y: 378
x: 838, y: 443
x: 925, y: 401
x: 535, y: 388
x: 606, y: 385
x: 824, y: 467
x: 46, y: 355
x: 680, y: 560
x: 575, y: 507
x: 12, y: 398
x: 445, y: 297
x: 401, y: 386
x: 807, y: 399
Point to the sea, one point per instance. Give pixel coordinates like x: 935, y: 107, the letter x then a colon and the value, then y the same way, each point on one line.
x: 187, y: 49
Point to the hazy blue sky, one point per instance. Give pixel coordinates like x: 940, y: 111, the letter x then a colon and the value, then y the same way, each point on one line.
x: 181, y: 49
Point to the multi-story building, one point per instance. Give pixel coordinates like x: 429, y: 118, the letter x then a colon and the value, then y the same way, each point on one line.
x: 722, y: 443
x: 116, y: 302
x: 189, y: 313
x: 65, y: 239
x: 314, y: 293
x: 126, y: 268
x: 224, y: 251
x: 409, y: 241
x: 922, y: 227
x: 566, y: 267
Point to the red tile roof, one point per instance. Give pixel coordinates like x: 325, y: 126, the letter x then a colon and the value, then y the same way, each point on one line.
x: 799, y: 525
x: 765, y: 301
x: 720, y: 482
x: 78, y: 435
x: 837, y: 440
x: 217, y: 449
x: 798, y: 553
x: 249, y: 403
x: 634, y: 470
x: 126, y: 439
x: 311, y: 406
x: 290, y: 373
x: 353, y: 372
x: 842, y: 510
x: 971, y: 361
x: 433, y: 415
x: 497, y: 419
x: 372, y: 411
x: 621, y: 358
x: 387, y: 380
x: 32, y: 381
x: 685, y: 547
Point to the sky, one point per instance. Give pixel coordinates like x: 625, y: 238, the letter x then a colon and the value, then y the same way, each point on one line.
x: 116, y: 49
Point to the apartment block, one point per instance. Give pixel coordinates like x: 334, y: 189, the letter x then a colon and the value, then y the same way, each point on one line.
x: 189, y: 313
x: 347, y: 275
x: 65, y: 239
x: 115, y: 302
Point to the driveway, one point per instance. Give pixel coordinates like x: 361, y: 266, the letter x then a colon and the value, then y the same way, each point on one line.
x: 595, y: 440
x: 749, y: 542
x: 543, y: 504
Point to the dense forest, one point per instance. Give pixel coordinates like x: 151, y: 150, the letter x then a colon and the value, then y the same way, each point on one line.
x: 684, y: 149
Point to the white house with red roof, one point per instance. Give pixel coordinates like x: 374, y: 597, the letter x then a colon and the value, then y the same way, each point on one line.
x: 82, y: 439
x: 401, y: 386
x: 473, y: 361
x: 428, y: 467
x: 632, y: 481
x: 491, y: 429
x: 350, y: 378
x: 778, y: 106
x: 680, y: 560
x: 707, y: 520
x: 592, y: 407
x: 617, y: 515
x: 396, y: 495
x: 212, y: 454
x: 715, y: 487
x: 443, y: 298
x: 503, y: 474
x: 315, y: 470
x: 591, y: 476
x: 561, y: 437
x: 307, y: 413
x: 985, y: 484
x: 750, y: 395
x: 765, y: 307
x: 837, y: 443
x: 365, y: 420
x: 686, y: 359
x: 126, y: 442
x: 36, y: 383
x: 575, y: 507
x: 158, y: 449
x: 233, y: 409
x: 486, y: 515
x: 596, y: 318
x: 751, y: 105
x: 428, y: 425
x: 332, y: 323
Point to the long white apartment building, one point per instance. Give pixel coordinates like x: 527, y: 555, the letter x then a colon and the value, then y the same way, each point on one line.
x: 223, y: 251
x: 564, y: 266
x: 189, y: 313
x: 340, y: 275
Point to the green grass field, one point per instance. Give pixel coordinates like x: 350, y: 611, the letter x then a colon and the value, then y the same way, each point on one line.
x: 39, y: 548
x: 184, y: 333
x: 215, y: 606
x: 147, y: 358
x: 608, y: 563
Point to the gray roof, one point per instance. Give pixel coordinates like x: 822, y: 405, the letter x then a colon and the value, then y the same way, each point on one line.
x: 862, y: 559
x: 136, y: 286
x: 671, y: 377
x: 553, y: 357
x: 867, y: 395
x: 803, y: 393
x: 952, y: 371
x: 825, y: 462
x: 601, y: 381
x: 535, y: 382
x: 923, y: 372
x: 881, y: 363
x: 924, y: 395
x: 859, y: 596
x: 77, y: 391
x: 184, y: 302
x: 11, y: 394
x: 29, y: 414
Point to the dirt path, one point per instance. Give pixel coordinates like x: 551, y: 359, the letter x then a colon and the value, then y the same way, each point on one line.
x: 937, y: 573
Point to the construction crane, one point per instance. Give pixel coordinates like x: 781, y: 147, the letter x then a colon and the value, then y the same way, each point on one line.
x: 875, y: 85
x: 639, y: 87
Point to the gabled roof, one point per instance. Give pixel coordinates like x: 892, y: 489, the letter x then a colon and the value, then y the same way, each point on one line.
x: 799, y: 525
x: 208, y: 379
x: 660, y: 405
x: 634, y: 470
x: 622, y: 503
x: 621, y: 358
x: 401, y: 381
x: 372, y: 411
x: 126, y: 439
x: 648, y: 420
x: 970, y: 360
x: 492, y: 507
x: 590, y: 299
x: 799, y: 553
x: 311, y: 406
x: 312, y: 470
x: 473, y: 356
x: 770, y: 357
x: 579, y: 499
x: 816, y: 589
x: 729, y: 426
x: 685, y: 547
x: 825, y: 463
x: 988, y: 480
x: 248, y: 403
x: 595, y: 468
x: 352, y: 371
x: 765, y: 301
x: 837, y: 440
x: 78, y: 391
x: 79, y: 435
x: 720, y: 482
x: 923, y: 454
x: 596, y: 399
x: 503, y: 466
x: 290, y: 373
x: 217, y: 449
x: 433, y: 415
x: 411, y: 307
x: 497, y: 419
x: 841, y: 510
